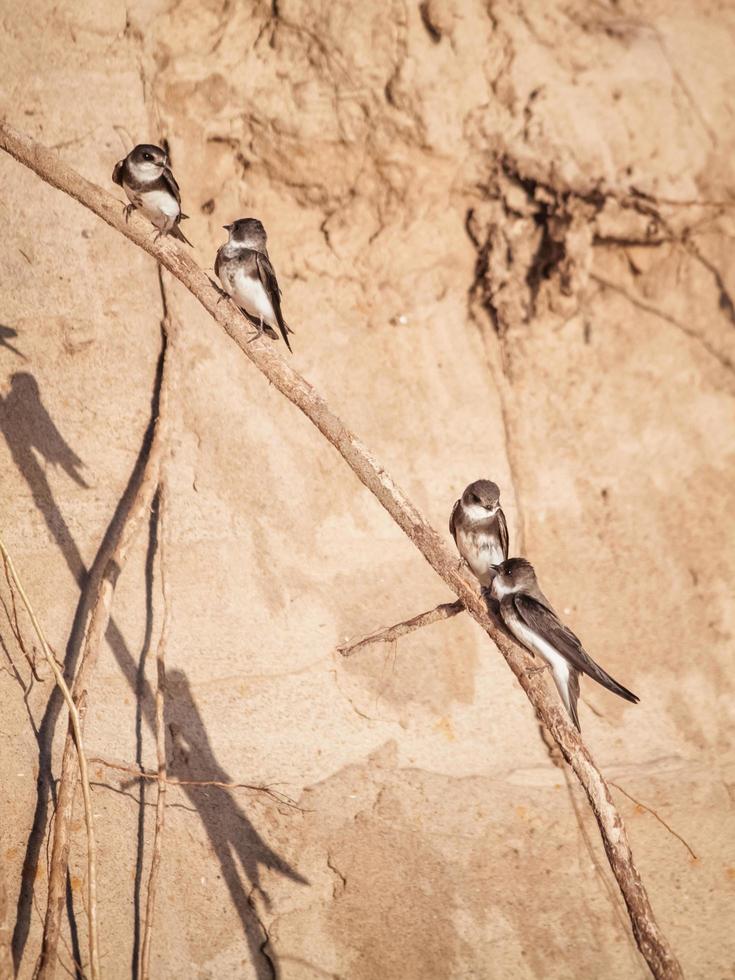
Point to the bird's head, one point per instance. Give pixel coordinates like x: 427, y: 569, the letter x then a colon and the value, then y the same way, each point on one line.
x: 147, y: 161
x: 481, y: 500
x: 249, y: 232
x: 513, y: 575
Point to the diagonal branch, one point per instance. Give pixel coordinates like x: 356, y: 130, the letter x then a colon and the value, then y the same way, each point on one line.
x: 652, y: 943
x: 444, y: 610
x: 6, y: 956
x: 75, y: 737
x: 660, y: 819
x: 111, y: 566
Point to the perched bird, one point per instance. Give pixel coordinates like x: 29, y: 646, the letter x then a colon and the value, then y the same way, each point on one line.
x: 245, y: 271
x: 529, y: 616
x: 479, y: 529
x: 146, y: 178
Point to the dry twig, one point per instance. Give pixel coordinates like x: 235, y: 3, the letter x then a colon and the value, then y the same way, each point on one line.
x: 444, y: 610
x: 6, y: 956
x: 661, y: 820
x: 141, y: 773
x: 17, y: 631
x: 652, y: 943
x: 76, y: 726
x: 113, y: 564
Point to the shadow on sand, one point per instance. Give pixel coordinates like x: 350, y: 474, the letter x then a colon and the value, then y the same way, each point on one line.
x: 30, y: 433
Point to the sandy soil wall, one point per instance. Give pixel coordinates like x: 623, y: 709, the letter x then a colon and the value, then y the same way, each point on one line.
x: 504, y: 235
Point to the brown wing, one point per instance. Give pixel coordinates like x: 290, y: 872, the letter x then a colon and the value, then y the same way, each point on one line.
x: 117, y: 172
x: 170, y: 181
x: 176, y: 232
x: 503, y: 531
x: 452, y: 527
x: 544, y: 621
x: 217, y: 260
x: 270, y: 284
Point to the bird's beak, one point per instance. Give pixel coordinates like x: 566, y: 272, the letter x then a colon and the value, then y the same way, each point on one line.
x: 227, y: 227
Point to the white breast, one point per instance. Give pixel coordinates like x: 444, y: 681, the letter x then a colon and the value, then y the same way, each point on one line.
x: 249, y: 294
x: 476, y: 512
x: 160, y: 207
x: 481, y: 551
x: 530, y: 639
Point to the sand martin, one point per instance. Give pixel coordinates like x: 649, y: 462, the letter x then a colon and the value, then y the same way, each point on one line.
x: 146, y: 178
x: 245, y: 271
x: 529, y: 616
x: 479, y: 529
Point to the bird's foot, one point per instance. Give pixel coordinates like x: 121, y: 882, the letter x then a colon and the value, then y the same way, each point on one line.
x: 491, y: 603
x: 127, y: 211
x: 215, y: 285
x: 532, y: 671
x: 259, y: 331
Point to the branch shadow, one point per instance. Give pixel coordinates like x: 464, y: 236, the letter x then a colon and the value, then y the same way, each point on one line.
x: 233, y: 836
x: 29, y: 429
x: 6, y: 333
x: 142, y: 691
x: 30, y: 433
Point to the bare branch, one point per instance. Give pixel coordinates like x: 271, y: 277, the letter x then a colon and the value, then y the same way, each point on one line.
x: 16, y: 629
x: 76, y: 726
x: 141, y: 773
x: 443, y: 611
x: 661, y: 820
x: 6, y: 956
x: 652, y: 943
x: 111, y: 566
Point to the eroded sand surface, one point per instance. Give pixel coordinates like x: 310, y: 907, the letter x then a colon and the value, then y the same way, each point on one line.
x: 505, y: 244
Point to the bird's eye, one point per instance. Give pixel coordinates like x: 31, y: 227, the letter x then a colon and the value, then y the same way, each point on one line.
x: 147, y: 156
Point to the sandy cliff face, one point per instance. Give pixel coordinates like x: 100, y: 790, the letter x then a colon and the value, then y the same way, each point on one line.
x: 504, y: 235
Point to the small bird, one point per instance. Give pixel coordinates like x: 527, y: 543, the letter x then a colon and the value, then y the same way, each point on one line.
x: 479, y: 529
x: 529, y: 616
x: 151, y: 188
x: 245, y: 271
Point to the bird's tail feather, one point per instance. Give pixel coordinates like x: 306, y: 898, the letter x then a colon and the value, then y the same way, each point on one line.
x: 176, y: 232
x: 602, y: 677
x: 568, y: 688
